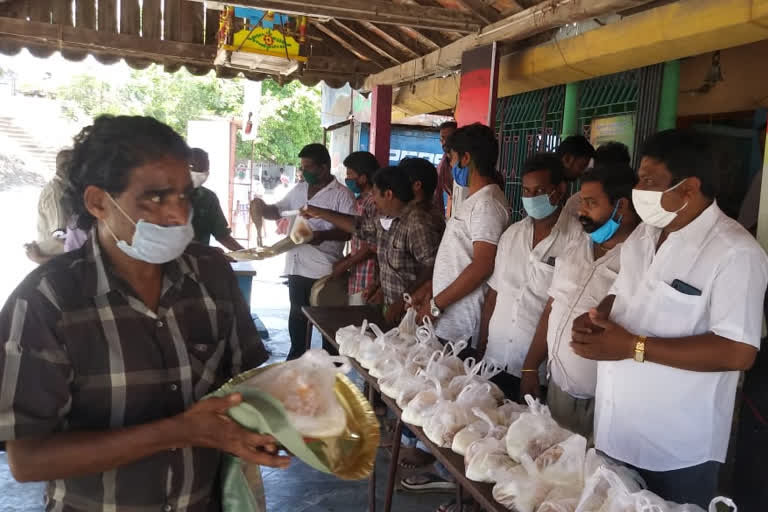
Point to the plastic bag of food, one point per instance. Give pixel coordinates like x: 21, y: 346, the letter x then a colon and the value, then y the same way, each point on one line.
x: 471, y: 369
x: 450, y: 356
x: 408, y: 324
x: 412, y: 386
x: 446, y: 420
x: 478, y: 395
x: 450, y: 416
x: 350, y: 339
x: 371, y: 352
x: 478, y: 429
x: 305, y: 388
x: 534, y: 432
x: 646, y: 501
x: 487, y: 461
x: 562, y: 464
x: 603, y: 479
x: 301, y: 232
x: 508, y: 412
x: 521, y: 492
x: 423, y: 404
x: 391, y: 384
x: 426, y: 340
x: 561, y: 499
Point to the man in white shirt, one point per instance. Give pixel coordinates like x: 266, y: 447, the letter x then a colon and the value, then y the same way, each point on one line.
x: 53, y: 214
x: 305, y: 264
x: 525, y: 262
x: 681, y: 321
x: 581, y: 277
x: 467, y: 252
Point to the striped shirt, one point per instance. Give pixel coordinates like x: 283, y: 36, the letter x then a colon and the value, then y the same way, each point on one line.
x: 80, y: 351
x: 364, y: 273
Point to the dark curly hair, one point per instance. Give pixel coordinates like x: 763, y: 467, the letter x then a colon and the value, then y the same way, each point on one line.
x: 480, y: 142
x: 106, y: 152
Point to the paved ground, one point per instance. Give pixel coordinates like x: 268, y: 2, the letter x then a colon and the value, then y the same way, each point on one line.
x: 297, y: 489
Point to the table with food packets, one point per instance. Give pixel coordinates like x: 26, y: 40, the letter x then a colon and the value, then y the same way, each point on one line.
x: 506, y: 456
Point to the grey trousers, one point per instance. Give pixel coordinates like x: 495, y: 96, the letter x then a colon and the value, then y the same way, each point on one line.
x: 575, y: 414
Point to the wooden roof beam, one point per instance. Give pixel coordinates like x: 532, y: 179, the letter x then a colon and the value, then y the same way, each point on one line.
x: 344, y: 43
x: 483, y: 9
x: 547, y: 15
x: 419, y: 38
x: 377, y: 11
x: 389, y: 39
x: 366, y: 41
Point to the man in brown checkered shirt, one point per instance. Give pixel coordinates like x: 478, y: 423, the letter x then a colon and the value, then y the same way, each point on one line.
x: 107, y: 350
x: 406, y: 233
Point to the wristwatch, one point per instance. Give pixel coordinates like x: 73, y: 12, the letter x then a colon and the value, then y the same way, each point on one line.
x: 433, y: 309
x: 640, y: 348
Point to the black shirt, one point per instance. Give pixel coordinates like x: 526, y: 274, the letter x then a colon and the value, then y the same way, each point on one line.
x: 208, y: 219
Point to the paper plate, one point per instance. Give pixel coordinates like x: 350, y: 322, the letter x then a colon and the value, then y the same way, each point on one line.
x: 349, y: 456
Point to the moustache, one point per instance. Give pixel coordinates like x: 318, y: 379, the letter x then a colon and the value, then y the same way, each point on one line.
x: 588, y: 224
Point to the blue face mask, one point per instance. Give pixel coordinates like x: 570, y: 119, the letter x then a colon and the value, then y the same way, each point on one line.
x: 353, y: 186
x: 607, y: 230
x: 539, y: 207
x: 460, y: 175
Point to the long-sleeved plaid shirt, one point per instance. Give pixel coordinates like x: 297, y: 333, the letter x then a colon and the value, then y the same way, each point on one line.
x: 408, y: 247
x: 80, y: 351
x: 364, y: 273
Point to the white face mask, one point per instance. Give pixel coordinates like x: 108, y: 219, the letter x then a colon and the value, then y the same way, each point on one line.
x: 648, y: 206
x: 152, y: 243
x: 386, y: 222
x: 198, y: 178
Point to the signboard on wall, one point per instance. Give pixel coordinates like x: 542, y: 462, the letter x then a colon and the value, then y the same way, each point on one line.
x: 618, y: 128
x: 404, y: 143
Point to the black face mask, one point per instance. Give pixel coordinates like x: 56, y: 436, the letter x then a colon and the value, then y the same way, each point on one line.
x: 588, y: 224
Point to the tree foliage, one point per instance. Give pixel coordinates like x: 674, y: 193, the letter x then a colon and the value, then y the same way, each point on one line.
x: 290, y: 120
x: 290, y: 116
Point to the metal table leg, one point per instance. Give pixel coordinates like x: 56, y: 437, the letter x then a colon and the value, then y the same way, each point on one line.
x: 393, y: 465
x: 372, y: 479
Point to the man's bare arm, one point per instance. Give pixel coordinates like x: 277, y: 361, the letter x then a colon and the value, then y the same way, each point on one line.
x: 72, y: 454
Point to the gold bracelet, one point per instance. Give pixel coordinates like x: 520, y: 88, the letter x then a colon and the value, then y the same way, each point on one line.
x: 529, y: 370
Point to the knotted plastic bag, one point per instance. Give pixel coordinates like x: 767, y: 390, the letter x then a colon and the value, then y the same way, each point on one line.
x: 350, y: 339
x: 301, y: 232
x: 561, y: 499
x: 478, y: 429
x: 487, y: 461
x: 509, y: 412
x: 603, y: 480
x: 423, y: 404
x: 521, y: 492
x: 562, y: 464
x: 534, y: 432
x: 408, y: 324
x: 304, y: 387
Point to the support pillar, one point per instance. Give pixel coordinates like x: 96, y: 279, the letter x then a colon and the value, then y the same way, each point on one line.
x: 571, y: 109
x: 478, y: 87
x: 670, y: 89
x: 381, y: 123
